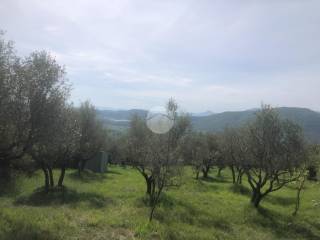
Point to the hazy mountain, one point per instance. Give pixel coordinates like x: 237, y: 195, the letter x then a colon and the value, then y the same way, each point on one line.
x: 308, y: 119
x: 119, y: 119
x: 202, y: 114
x: 120, y: 114
x: 217, y: 122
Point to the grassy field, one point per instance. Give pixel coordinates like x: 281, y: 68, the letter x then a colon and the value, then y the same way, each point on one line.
x: 112, y: 206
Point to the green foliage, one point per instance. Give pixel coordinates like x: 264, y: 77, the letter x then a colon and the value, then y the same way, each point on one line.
x: 276, y: 153
x: 92, y: 134
x: 157, y: 156
x: 201, y: 151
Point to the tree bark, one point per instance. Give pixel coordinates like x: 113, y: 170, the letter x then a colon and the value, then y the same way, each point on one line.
x: 152, y: 195
x: 155, y: 199
x: 253, y: 197
x: 149, y: 185
x: 301, y: 185
x: 257, y: 201
x: 61, y: 178
x: 256, y: 198
x: 152, y: 212
x: 51, y: 177
x: 239, y: 177
x: 219, y: 171
x: 81, y: 166
x: 149, y: 181
x: 46, y: 176
x: 233, y: 174
x: 205, y: 172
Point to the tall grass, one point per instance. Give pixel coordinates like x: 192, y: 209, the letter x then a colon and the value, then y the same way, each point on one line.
x: 112, y: 206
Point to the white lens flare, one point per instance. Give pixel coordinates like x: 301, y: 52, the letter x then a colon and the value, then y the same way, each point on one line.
x: 158, y: 120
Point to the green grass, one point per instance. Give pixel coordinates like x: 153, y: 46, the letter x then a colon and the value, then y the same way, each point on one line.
x: 112, y: 206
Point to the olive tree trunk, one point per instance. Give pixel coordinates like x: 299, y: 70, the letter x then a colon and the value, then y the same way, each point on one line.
x: 62, y: 174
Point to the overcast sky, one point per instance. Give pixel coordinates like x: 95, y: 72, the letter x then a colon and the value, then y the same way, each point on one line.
x: 208, y: 55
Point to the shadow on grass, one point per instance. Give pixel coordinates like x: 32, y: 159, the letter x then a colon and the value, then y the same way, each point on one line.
x: 215, y: 179
x: 278, y: 200
x: 63, y: 196
x: 282, y: 225
x: 23, y: 229
x: 240, y: 189
x: 203, y: 186
x: 11, y: 186
x: 295, y: 186
x: 9, y: 189
x: 113, y: 172
x: 190, y: 214
x: 87, y: 176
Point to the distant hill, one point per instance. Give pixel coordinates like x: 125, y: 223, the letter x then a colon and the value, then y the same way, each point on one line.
x: 120, y: 114
x: 219, y: 121
x: 308, y: 119
x: 202, y: 114
x: 119, y: 119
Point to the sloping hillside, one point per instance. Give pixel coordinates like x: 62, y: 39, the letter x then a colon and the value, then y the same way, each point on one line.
x: 112, y: 206
x: 119, y: 119
x: 308, y: 119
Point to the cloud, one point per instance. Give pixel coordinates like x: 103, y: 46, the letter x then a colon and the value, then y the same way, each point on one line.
x: 217, y: 55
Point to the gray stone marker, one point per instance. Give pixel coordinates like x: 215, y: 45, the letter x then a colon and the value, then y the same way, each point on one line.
x: 98, y: 164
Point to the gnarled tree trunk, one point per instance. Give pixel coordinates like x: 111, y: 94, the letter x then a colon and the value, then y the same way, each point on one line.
x: 256, y: 197
x: 61, y: 178
x: 205, y: 171
x: 46, y: 176
x: 233, y: 174
x: 51, y: 177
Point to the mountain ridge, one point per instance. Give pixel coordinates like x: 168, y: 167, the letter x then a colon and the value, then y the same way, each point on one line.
x: 217, y: 122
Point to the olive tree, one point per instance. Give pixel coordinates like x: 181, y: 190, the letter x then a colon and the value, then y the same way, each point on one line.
x: 314, y: 162
x: 194, y: 150
x: 116, y: 147
x: 92, y: 135
x: 138, y: 150
x: 14, y: 114
x: 33, y: 110
x: 165, y: 157
x: 312, y: 159
x: 66, y: 140
x: 213, y: 156
x: 276, y: 152
x: 35, y: 118
x: 157, y: 156
x: 202, y: 151
x: 234, y: 152
x: 47, y: 92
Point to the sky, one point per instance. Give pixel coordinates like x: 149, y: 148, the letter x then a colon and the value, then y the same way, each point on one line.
x: 206, y: 54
